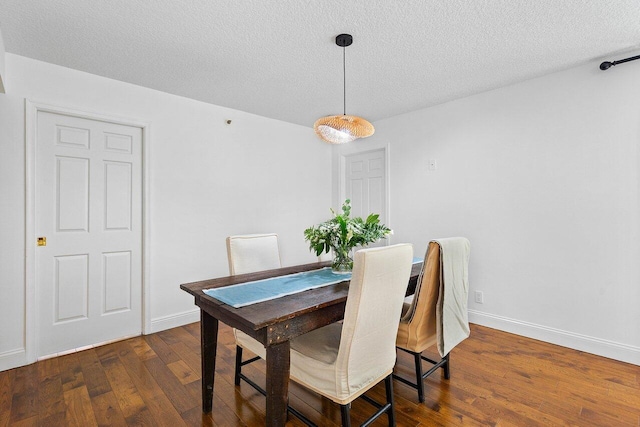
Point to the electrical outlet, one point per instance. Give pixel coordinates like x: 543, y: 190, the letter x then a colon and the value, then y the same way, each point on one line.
x: 479, y: 297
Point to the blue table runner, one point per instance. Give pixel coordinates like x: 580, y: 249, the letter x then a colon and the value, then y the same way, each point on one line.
x: 257, y: 291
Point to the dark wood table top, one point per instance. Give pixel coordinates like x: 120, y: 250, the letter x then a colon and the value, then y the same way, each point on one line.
x: 255, y: 317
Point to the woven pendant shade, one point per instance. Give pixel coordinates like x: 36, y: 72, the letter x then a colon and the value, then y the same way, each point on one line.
x: 341, y: 129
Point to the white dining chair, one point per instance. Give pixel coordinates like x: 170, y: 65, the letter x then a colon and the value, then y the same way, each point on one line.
x: 342, y: 361
x: 247, y: 254
x: 253, y: 252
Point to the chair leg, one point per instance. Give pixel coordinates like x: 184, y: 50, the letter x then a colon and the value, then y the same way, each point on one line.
x: 419, y: 379
x: 388, y: 383
x: 443, y: 363
x: 447, y: 372
x: 238, y: 365
x: 345, y: 412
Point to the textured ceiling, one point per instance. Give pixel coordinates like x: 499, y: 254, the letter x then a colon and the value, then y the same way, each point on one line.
x: 278, y: 58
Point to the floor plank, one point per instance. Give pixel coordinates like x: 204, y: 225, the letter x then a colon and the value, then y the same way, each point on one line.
x: 79, y: 410
x: 6, y: 395
x: 93, y: 374
x: 51, y: 404
x: 107, y: 410
x: 25, y: 394
x: 157, y: 402
x: 497, y: 379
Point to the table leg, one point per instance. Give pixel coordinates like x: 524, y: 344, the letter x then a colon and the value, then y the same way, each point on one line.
x: 277, y: 384
x: 208, y: 345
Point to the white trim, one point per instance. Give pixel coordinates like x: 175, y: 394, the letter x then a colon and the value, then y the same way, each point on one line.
x: 601, y: 347
x: 30, y: 233
x: 32, y: 109
x: 174, y: 320
x: 12, y: 358
x: 387, y: 177
x: 146, y: 229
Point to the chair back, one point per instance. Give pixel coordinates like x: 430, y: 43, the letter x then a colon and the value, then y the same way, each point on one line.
x: 253, y: 252
x: 374, y: 305
x: 420, y: 331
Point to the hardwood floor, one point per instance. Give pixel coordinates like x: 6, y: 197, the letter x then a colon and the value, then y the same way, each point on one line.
x: 497, y: 379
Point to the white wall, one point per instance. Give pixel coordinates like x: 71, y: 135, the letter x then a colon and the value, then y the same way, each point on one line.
x: 543, y: 178
x: 208, y: 180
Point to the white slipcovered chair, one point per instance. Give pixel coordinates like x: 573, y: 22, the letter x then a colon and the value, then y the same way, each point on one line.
x: 342, y: 361
x: 247, y: 254
x: 253, y: 252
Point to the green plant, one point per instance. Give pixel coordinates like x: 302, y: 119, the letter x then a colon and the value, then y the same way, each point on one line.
x: 342, y: 233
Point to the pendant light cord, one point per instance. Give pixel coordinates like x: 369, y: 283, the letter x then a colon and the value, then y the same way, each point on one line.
x: 344, y: 81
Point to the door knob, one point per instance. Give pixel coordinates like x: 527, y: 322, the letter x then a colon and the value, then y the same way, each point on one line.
x: 42, y: 241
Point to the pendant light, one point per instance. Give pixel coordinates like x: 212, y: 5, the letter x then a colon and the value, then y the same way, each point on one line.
x: 342, y: 128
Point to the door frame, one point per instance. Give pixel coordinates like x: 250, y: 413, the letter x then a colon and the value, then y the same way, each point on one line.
x: 342, y: 171
x: 32, y: 109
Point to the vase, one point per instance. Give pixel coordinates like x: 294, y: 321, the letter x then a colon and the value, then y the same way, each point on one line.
x: 342, y: 261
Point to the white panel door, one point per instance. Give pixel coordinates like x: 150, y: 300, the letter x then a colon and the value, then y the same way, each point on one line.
x: 365, y: 183
x: 88, y: 206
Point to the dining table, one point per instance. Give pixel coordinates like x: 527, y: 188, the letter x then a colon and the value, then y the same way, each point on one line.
x: 273, y: 323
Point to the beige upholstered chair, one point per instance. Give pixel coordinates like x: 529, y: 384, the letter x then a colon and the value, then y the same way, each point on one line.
x: 248, y: 254
x: 341, y: 361
x: 418, y: 327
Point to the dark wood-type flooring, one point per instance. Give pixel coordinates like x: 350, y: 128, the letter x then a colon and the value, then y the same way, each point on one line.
x: 496, y: 379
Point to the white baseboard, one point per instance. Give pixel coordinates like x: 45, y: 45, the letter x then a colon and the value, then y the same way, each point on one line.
x: 12, y: 359
x: 613, y: 350
x: 173, y: 321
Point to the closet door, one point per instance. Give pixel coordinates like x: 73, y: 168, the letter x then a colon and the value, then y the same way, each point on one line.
x: 88, y: 207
